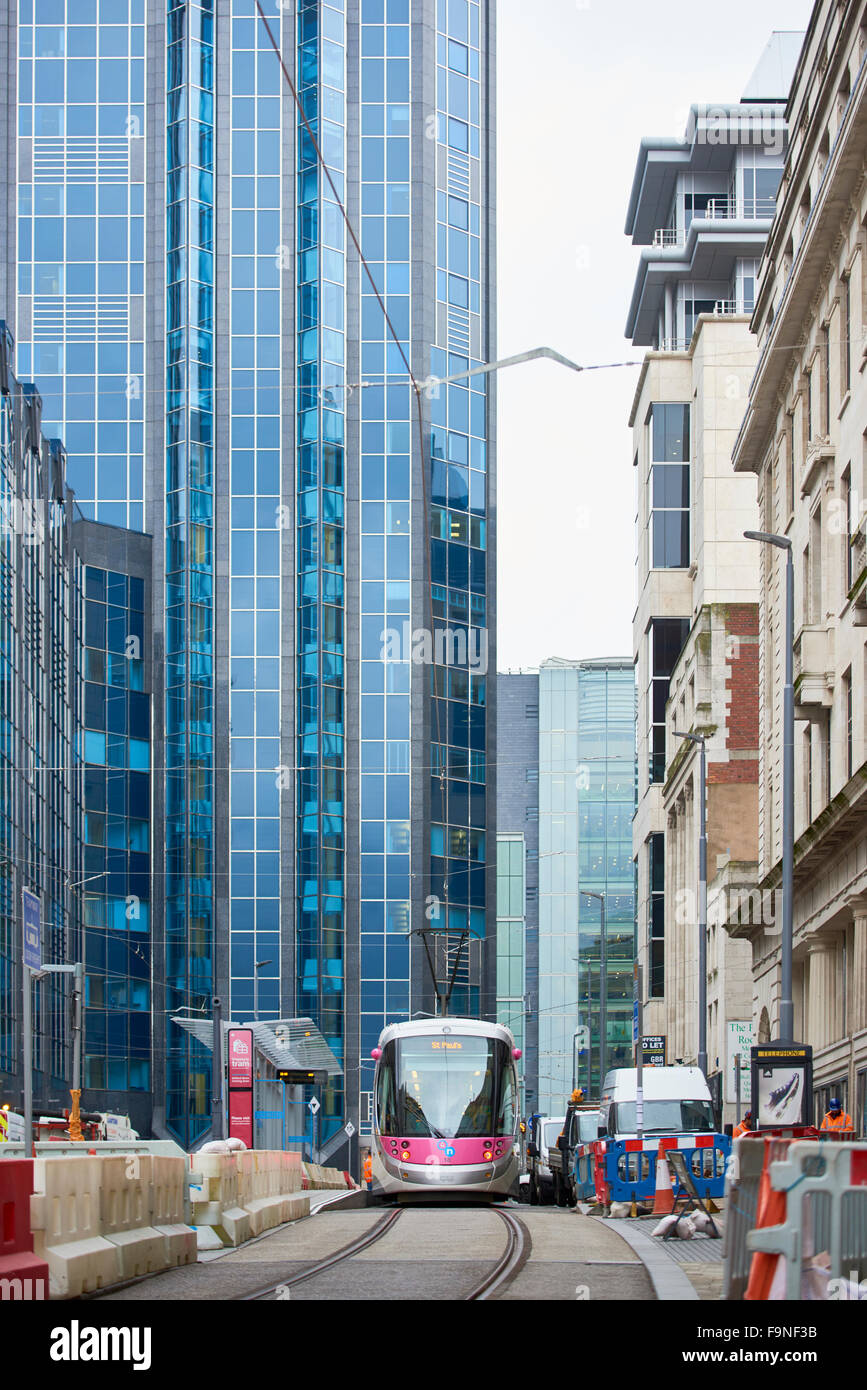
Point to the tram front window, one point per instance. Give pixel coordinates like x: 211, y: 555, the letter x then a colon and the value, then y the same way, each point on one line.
x: 446, y: 1088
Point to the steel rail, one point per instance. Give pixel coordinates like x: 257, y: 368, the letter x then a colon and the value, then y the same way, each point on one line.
x: 346, y: 1252
x: 511, y: 1261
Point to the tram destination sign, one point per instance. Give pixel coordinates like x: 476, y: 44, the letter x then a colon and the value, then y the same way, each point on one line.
x: 292, y: 1076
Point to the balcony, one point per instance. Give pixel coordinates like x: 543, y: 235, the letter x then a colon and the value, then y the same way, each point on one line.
x: 720, y: 209
x: 814, y: 671
x: 820, y: 451
x: 668, y: 236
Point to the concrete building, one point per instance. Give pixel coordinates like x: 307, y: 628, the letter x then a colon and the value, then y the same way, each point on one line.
x: 75, y: 773
x: 701, y: 207
x: 40, y: 718
x: 804, y: 439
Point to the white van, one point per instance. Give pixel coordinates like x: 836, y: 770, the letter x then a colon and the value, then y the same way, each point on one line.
x: 540, y: 1185
x: 676, y: 1101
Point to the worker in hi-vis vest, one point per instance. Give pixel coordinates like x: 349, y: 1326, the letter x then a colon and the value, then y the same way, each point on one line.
x: 368, y: 1170
x: 836, y: 1118
x: 745, y: 1126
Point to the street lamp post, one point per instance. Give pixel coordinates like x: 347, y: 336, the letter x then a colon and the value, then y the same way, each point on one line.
x: 702, y: 895
x: 787, y: 1008
x: 257, y: 966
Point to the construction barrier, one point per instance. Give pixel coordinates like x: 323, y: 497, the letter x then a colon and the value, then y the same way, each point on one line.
x: 630, y: 1164
x: 60, y: 1147
x: 618, y: 1170
x: 742, y: 1194
x: 23, y: 1275
x: 101, y: 1220
x: 239, y: 1195
x: 814, y: 1227
x: 585, y: 1164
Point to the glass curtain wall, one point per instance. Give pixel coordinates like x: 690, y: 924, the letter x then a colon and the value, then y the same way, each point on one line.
x: 458, y: 499
x: 606, y: 780
x: 387, y: 436
x: 117, y: 956
x: 189, y: 581
x: 586, y: 795
x: 320, y: 432
x: 81, y: 240
x: 259, y: 263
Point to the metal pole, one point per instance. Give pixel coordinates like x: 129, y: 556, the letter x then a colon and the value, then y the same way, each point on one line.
x: 702, y: 911
x: 255, y: 992
x: 77, y: 991
x: 787, y: 1011
x: 639, y: 1065
x: 603, y: 994
x: 27, y: 1055
x: 217, y: 1112
x: 737, y: 1088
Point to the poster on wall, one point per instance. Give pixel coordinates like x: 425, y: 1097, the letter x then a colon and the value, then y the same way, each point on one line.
x: 739, y: 1041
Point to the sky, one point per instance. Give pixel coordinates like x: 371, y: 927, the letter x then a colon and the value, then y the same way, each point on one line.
x: 579, y: 83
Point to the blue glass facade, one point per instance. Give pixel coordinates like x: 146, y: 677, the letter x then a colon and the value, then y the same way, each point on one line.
x: 320, y: 434
x: 116, y: 898
x: 314, y: 802
x: 587, y: 770
x: 81, y: 194
x: 189, y: 551
x: 386, y: 440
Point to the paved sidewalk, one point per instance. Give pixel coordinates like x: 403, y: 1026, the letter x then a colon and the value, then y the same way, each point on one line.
x: 680, y: 1269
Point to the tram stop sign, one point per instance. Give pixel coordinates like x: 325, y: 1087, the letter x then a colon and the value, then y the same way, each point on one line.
x: 313, y: 1106
x: 349, y: 1129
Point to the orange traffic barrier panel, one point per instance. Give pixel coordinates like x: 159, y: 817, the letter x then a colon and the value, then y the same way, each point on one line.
x: 770, y: 1211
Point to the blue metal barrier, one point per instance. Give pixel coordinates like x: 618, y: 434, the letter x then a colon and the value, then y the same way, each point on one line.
x: 630, y: 1171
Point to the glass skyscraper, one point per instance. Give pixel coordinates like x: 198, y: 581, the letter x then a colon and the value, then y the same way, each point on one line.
x: 181, y: 280
x: 587, y: 772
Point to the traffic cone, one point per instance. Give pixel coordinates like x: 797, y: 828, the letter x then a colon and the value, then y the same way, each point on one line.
x: 663, y: 1201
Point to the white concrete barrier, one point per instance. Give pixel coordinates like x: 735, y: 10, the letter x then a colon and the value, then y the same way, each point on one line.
x: 99, y: 1220
x: 65, y: 1221
x: 241, y: 1195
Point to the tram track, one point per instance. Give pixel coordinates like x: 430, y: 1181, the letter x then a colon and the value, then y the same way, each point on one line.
x: 503, y: 1271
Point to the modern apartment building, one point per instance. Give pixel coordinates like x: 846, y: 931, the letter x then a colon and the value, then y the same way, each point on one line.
x: 182, y: 280
x: 701, y: 207
x: 804, y: 439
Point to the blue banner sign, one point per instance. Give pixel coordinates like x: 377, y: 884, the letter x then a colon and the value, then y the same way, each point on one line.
x: 32, y: 953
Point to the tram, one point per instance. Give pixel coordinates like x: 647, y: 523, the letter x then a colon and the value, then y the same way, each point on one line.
x: 445, y: 1111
